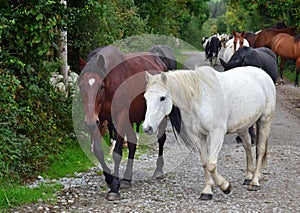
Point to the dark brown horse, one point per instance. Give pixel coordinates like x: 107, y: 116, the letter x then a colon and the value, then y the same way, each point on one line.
x: 250, y: 36
x: 114, y: 92
x: 287, y: 47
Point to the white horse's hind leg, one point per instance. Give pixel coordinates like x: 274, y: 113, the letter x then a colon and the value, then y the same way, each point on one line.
x: 203, y: 149
x: 263, y: 131
x: 246, y: 139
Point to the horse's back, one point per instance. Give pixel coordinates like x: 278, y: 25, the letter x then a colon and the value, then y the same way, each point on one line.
x: 127, y: 83
x: 166, y: 54
x: 246, y: 77
x: 266, y: 59
x: 244, y: 87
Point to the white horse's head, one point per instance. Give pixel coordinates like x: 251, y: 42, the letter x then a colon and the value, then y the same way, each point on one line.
x: 159, y: 102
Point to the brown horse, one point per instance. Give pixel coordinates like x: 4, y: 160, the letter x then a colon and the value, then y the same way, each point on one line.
x: 264, y: 37
x: 250, y: 36
x: 287, y: 47
x: 115, y: 93
x: 234, y: 44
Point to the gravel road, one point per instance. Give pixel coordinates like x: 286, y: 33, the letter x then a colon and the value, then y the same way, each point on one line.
x: 180, y: 189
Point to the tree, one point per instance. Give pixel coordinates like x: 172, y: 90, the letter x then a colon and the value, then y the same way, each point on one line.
x: 263, y: 13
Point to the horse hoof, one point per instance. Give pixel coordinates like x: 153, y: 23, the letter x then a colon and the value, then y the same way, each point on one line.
x: 247, y: 182
x: 206, y: 196
x: 158, y: 175
x: 228, y: 190
x: 125, y: 184
x: 238, y: 139
x: 253, y: 188
x: 112, y: 196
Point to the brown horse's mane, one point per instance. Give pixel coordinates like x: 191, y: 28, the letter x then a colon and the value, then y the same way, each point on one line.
x: 288, y: 29
x: 297, y: 38
x: 92, y: 63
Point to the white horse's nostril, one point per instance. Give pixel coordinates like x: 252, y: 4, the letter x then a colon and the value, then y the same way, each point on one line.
x: 147, y: 129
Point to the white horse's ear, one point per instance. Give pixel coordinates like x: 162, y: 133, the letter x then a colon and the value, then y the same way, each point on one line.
x: 164, y: 78
x: 147, y: 76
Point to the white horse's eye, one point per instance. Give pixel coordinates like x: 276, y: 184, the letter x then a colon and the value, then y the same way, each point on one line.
x: 162, y: 98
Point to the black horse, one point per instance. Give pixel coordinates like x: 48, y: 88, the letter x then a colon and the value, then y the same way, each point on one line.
x: 262, y: 57
x: 166, y: 54
x: 212, y: 49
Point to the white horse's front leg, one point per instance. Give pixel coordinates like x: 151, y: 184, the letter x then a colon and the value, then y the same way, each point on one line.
x: 216, y: 140
x: 246, y: 139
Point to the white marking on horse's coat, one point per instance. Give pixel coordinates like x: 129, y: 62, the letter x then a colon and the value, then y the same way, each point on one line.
x: 91, y: 81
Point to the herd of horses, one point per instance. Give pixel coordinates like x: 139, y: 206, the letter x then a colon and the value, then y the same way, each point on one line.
x: 282, y: 40
x: 121, y: 89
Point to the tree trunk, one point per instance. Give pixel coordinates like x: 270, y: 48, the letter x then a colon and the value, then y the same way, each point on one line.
x: 63, y: 53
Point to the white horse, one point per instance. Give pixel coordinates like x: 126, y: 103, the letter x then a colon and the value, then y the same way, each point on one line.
x: 234, y: 44
x: 204, y: 105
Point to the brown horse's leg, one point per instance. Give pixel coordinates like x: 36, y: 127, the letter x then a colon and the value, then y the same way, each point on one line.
x: 297, y: 76
x: 98, y: 151
x: 297, y: 71
x: 282, y: 63
x: 158, y: 173
x: 121, y: 127
x: 131, y: 141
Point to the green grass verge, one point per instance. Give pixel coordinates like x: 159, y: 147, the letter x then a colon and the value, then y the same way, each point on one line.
x: 12, y: 194
x: 289, y: 71
x: 73, y: 159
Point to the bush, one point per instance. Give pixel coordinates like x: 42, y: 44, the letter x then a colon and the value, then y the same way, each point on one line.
x: 34, y: 119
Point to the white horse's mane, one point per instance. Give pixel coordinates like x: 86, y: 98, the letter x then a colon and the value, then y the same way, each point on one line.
x: 185, y: 85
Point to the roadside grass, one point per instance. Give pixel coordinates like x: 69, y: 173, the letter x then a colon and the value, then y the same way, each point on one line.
x: 289, y: 73
x: 13, y: 194
x: 289, y: 70
x: 73, y: 159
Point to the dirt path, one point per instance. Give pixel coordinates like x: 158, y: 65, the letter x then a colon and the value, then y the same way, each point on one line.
x: 180, y: 190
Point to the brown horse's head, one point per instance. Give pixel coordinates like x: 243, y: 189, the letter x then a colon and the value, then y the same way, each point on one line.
x: 238, y: 40
x: 92, y: 81
x: 91, y: 86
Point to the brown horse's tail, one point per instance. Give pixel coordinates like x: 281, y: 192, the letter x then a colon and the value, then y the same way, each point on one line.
x: 264, y: 159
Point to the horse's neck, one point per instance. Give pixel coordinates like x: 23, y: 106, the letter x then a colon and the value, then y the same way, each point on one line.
x: 188, y: 93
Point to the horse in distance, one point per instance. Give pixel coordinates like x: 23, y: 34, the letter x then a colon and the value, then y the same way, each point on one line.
x: 264, y: 37
x: 212, y: 49
x: 262, y: 57
x: 202, y: 114
x: 234, y: 44
x: 287, y: 47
